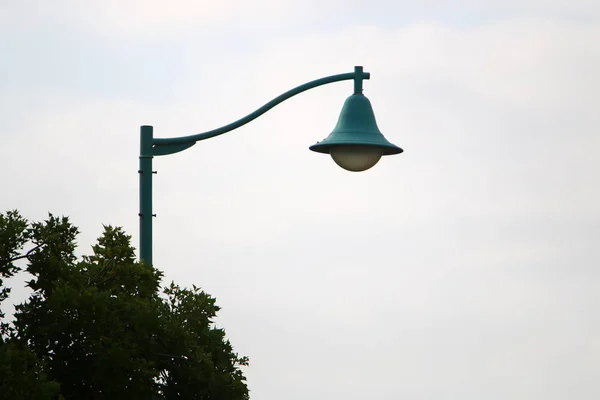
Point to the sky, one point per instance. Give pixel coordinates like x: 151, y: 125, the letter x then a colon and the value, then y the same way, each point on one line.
x: 465, y: 268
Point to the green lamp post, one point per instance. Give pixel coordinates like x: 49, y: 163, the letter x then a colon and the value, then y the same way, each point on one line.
x: 355, y: 144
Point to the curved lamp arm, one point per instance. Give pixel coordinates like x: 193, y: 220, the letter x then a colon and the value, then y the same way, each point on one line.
x: 165, y: 146
x: 150, y: 147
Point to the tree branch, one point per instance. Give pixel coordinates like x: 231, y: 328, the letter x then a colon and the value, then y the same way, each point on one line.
x: 100, y: 272
x: 22, y: 256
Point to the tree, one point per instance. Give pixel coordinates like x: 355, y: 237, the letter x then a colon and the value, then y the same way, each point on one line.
x: 21, y: 375
x: 13, y: 235
x: 101, y: 328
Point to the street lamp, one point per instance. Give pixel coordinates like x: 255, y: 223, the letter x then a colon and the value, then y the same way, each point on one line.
x: 355, y: 144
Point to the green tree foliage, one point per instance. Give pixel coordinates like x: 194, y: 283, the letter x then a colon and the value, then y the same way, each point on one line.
x: 22, y: 376
x: 101, y: 328
x: 13, y: 236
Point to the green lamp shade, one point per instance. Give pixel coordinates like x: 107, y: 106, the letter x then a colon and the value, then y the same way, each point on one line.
x: 356, y: 144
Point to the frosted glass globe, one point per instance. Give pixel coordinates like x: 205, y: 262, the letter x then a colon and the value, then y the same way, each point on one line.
x: 355, y: 158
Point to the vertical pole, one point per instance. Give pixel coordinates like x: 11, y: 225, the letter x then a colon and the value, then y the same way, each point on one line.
x: 145, y: 214
x: 358, y: 80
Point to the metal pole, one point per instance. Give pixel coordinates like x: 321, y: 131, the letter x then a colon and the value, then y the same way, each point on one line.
x: 359, y: 75
x: 145, y: 171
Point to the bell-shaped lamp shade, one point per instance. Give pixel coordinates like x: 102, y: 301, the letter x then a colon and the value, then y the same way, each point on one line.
x: 356, y: 144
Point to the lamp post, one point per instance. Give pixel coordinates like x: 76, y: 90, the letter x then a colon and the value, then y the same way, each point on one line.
x: 355, y: 144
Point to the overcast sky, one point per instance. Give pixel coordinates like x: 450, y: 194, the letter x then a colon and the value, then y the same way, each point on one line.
x: 465, y: 268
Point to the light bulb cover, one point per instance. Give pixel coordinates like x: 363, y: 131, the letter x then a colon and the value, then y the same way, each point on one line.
x: 356, y: 158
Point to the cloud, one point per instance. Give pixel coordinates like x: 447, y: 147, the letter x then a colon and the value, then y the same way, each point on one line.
x: 150, y: 19
x: 160, y: 20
